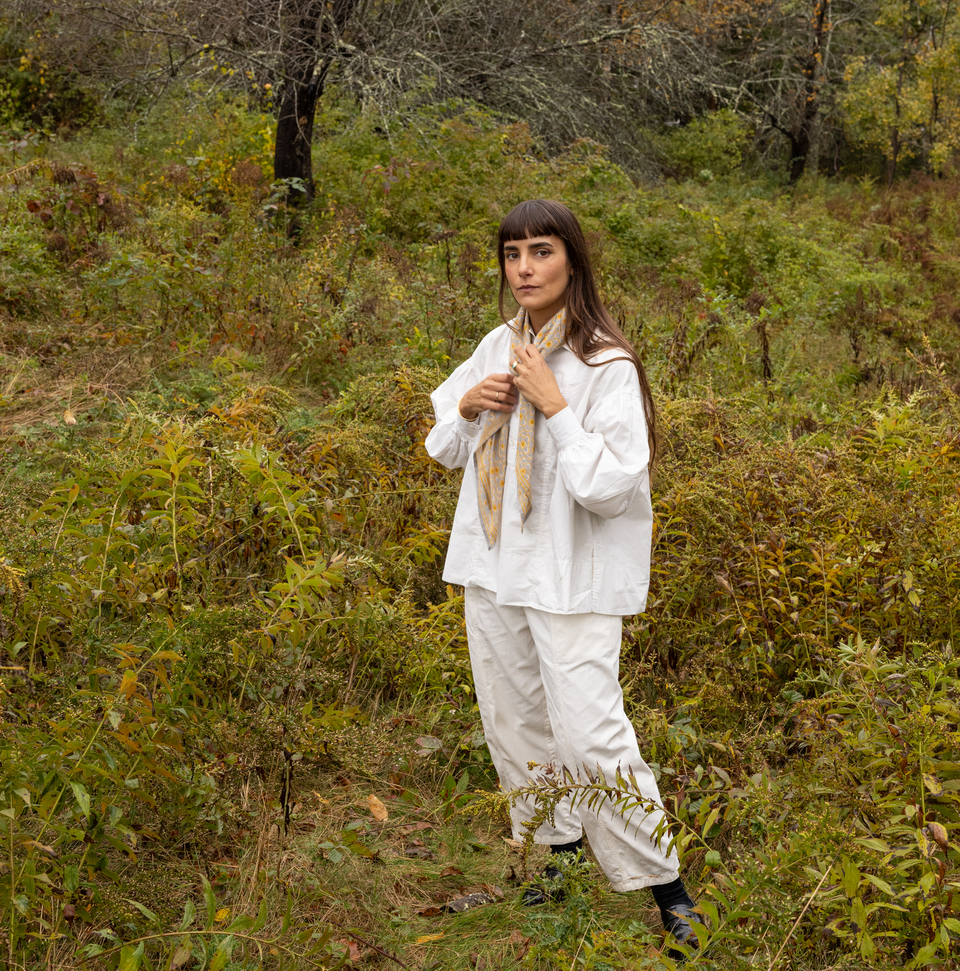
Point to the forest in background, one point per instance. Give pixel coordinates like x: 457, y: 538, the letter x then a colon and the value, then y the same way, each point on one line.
x: 238, y: 722
x: 839, y: 87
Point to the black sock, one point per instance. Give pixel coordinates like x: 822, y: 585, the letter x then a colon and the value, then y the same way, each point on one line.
x: 670, y: 895
x: 575, y: 847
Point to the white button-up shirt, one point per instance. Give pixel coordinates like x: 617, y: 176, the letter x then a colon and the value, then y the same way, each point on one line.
x: 585, y: 547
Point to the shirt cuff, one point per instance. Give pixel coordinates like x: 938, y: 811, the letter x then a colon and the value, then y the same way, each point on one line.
x: 565, y: 428
x: 467, y: 429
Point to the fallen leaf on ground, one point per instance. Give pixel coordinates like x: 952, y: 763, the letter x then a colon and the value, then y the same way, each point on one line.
x: 451, y: 871
x: 432, y: 910
x: 418, y: 851
x: 429, y: 937
x: 377, y: 808
x: 415, y: 827
x: 352, y: 947
x: 523, y: 943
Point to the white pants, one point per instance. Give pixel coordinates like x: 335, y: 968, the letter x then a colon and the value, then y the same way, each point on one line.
x: 549, y: 692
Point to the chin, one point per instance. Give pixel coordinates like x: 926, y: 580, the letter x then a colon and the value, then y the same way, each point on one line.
x: 532, y: 303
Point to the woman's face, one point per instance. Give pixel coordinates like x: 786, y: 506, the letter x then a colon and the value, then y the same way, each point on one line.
x: 538, y: 273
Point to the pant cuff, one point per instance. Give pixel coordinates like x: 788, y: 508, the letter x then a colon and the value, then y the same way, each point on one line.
x: 554, y: 840
x: 548, y: 839
x: 638, y: 883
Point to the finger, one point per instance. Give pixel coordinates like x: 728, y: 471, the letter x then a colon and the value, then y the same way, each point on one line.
x: 497, y: 399
x: 530, y: 357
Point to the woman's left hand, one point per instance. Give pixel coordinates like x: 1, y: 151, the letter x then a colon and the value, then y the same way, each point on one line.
x: 535, y: 380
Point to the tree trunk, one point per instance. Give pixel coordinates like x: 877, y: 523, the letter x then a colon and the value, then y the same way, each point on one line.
x: 895, y: 134
x: 816, y: 129
x: 800, y: 146
x: 308, y: 46
x: 812, y: 167
x: 292, y: 157
x: 805, y: 144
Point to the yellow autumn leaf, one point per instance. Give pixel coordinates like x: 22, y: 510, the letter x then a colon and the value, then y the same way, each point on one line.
x: 377, y: 808
x: 222, y: 915
x: 426, y: 938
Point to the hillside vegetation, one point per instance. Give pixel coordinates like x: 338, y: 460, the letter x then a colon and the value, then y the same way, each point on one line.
x: 238, y: 723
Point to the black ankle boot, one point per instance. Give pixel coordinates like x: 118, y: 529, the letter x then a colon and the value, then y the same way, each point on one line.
x: 678, y: 912
x: 549, y: 886
x: 550, y: 883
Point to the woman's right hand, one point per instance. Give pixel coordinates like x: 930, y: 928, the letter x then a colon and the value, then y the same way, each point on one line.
x: 496, y: 392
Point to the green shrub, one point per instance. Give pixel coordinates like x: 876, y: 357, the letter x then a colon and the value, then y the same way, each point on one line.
x: 711, y: 145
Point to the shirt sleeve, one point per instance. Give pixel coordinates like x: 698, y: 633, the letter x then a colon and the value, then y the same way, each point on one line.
x: 603, y: 460
x: 451, y: 440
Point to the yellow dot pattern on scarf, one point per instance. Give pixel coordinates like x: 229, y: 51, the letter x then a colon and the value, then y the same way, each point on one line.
x: 490, y: 456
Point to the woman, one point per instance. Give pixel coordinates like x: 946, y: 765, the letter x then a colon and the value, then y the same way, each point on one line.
x: 553, y: 421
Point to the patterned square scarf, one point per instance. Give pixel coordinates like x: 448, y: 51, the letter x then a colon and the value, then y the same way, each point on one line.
x: 491, y: 452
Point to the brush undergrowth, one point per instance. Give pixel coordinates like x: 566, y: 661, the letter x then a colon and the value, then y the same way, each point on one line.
x: 238, y: 723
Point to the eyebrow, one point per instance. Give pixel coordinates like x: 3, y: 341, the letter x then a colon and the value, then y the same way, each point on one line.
x: 533, y: 244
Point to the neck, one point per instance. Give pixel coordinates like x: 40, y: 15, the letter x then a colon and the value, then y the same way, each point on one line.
x: 540, y: 318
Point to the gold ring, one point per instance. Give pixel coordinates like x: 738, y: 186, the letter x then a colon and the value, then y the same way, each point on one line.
x: 497, y: 397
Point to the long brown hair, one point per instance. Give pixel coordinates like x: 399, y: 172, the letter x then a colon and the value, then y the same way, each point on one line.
x: 590, y: 328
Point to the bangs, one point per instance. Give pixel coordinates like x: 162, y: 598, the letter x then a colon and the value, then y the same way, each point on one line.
x: 536, y: 217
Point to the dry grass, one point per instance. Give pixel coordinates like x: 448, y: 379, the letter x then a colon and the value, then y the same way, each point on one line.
x: 385, y: 902
x: 64, y: 382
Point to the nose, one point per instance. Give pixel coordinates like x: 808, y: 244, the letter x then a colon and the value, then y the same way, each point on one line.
x: 525, y: 268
